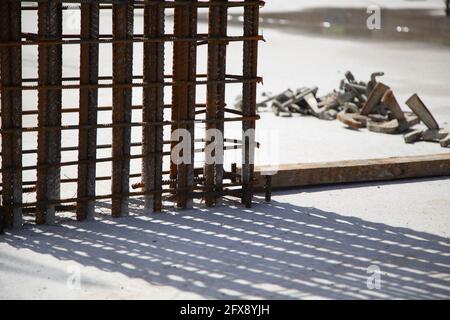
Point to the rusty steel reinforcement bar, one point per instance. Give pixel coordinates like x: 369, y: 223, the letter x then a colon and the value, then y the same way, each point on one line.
x: 217, y: 26
x: 153, y: 105
x: 175, y: 105
x: 49, y: 106
x: 222, y: 51
x: 88, y: 110
x: 250, y: 69
x: 123, y: 125
x: 11, y: 106
x: 192, y: 10
x: 135, y: 39
x: 135, y: 76
x: 109, y: 108
x: 123, y: 15
x: 2, y: 217
x: 183, y: 97
x: 143, y: 3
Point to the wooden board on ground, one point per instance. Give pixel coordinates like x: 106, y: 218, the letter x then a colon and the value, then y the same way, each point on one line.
x: 307, y: 174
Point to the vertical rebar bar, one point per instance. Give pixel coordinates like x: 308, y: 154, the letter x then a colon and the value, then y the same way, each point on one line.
x: 2, y: 218
x: 123, y: 14
x: 88, y: 110
x: 250, y: 66
x: 184, y: 69
x: 49, y: 110
x: 153, y: 106
x: 11, y: 107
x: 216, y: 94
x: 268, y: 188
x: 191, y: 102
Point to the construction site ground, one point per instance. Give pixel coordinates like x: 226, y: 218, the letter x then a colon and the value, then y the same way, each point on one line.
x: 323, y: 242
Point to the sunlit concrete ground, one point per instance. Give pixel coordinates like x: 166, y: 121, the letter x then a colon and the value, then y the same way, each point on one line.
x: 309, y: 243
x: 288, y: 5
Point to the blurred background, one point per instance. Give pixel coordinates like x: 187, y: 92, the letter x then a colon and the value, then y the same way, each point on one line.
x: 314, y: 42
x: 307, y: 43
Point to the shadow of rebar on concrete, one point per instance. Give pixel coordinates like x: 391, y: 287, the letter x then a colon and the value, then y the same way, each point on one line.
x: 273, y: 251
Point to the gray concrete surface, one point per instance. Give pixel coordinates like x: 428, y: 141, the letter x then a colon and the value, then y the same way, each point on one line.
x: 314, y: 243
x: 310, y: 243
x: 289, y: 5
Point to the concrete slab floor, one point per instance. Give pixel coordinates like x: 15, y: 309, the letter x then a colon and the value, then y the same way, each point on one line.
x: 287, y: 5
x: 316, y: 243
x: 308, y: 243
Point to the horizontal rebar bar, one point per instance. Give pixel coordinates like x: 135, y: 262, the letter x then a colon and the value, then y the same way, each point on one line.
x: 133, y: 145
x: 166, y: 38
x: 109, y: 108
x: 125, y: 125
x: 129, y: 85
x: 167, y: 4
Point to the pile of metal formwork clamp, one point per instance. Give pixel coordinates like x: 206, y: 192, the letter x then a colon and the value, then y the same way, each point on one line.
x: 359, y: 104
x: 382, y: 113
x: 350, y: 96
x: 183, y: 182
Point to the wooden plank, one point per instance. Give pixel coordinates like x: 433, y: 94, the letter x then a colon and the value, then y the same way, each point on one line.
x: 308, y: 174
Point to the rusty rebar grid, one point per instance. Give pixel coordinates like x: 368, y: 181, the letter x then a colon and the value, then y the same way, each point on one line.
x: 11, y: 106
x: 184, y: 182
